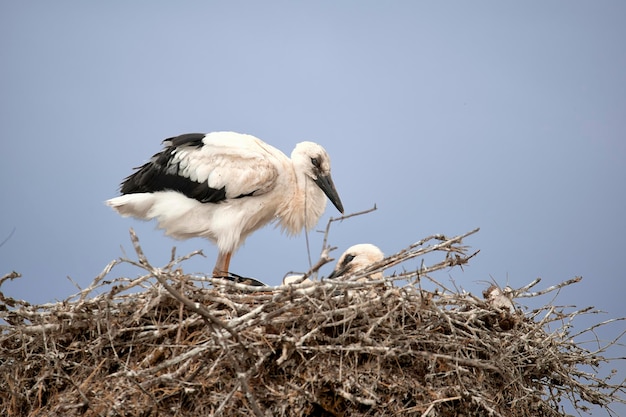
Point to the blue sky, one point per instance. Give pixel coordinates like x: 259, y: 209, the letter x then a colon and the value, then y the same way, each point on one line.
x: 447, y: 116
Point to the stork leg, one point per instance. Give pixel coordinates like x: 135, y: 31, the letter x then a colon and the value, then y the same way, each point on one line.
x: 222, y: 264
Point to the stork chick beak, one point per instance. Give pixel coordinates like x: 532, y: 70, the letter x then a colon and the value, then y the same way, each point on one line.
x: 338, y: 272
x: 325, y: 182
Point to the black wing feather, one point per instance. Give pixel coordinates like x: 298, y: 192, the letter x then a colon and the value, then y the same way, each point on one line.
x: 190, y: 139
x: 161, y: 174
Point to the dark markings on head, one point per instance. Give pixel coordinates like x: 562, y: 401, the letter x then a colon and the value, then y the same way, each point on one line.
x: 346, y: 261
x: 317, y: 166
x: 342, y: 267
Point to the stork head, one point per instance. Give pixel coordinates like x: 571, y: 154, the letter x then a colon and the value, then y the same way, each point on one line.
x: 313, y: 160
x: 355, y: 258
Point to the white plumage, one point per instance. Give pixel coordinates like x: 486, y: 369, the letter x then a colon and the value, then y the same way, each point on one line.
x: 296, y: 279
x: 358, y: 257
x: 354, y: 259
x: 225, y: 185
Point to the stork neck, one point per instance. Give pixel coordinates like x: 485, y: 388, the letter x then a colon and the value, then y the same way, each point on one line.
x: 305, y: 207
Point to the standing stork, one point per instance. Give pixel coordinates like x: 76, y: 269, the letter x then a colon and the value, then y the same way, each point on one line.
x: 224, y: 185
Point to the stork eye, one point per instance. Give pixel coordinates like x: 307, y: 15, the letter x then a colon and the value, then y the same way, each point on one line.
x: 316, y: 162
x: 347, y: 259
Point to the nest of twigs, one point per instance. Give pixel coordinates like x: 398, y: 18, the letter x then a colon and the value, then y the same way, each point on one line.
x: 171, y: 344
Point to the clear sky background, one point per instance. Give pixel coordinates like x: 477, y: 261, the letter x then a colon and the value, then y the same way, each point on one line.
x: 448, y: 116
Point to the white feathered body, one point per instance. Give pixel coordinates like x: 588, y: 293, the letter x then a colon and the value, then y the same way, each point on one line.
x: 252, y: 183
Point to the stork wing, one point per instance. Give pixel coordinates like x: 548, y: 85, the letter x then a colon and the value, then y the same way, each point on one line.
x: 209, y: 168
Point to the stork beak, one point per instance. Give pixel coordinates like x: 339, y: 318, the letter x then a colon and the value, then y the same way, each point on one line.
x: 325, y: 182
x: 337, y: 273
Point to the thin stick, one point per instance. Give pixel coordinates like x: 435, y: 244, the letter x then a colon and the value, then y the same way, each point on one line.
x: 549, y: 289
x: 196, y: 307
x: 333, y: 219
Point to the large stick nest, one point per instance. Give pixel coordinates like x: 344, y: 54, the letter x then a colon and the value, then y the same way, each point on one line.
x: 168, y: 343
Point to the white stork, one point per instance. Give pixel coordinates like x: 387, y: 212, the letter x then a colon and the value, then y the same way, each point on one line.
x: 358, y: 257
x: 225, y: 185
x: 355, y: 258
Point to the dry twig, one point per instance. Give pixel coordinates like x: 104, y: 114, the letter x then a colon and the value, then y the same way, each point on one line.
x: 168, y: 343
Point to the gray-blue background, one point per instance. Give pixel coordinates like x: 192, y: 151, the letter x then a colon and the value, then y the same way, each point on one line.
x: 447, y: 115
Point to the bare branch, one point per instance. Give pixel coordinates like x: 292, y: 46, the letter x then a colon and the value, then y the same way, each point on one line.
x: 376, y: 342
